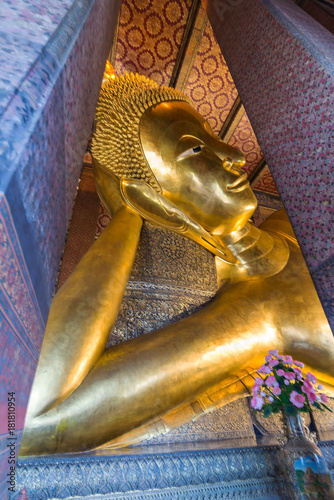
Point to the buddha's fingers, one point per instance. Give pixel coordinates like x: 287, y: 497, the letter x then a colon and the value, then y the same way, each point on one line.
x: 83, y: 313
x: 232, y: 390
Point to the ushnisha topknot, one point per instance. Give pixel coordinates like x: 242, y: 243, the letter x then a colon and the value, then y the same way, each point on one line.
x: 122, y: 102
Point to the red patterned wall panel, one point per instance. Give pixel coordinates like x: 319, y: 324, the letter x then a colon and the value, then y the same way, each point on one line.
x: 265, y: 182
x: 102, y: 221
x: 210, y: 85
x: 149, y: 37
x: 245, y: 140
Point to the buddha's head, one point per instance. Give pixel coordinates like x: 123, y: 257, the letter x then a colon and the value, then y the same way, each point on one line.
x: 150, y: 132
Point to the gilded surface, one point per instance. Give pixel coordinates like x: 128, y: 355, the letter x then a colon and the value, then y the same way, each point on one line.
x: 84, y: 395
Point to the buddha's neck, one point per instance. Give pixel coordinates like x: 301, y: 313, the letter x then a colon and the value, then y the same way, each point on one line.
x: 260, y: 252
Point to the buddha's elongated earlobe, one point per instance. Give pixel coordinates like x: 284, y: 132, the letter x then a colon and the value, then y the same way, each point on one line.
x: 155, y: 208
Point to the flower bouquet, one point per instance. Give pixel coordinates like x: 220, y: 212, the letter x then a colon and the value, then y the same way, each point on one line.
x: 281, y: 385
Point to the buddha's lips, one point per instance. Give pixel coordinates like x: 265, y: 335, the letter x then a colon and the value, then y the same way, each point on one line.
x: 239, y: 184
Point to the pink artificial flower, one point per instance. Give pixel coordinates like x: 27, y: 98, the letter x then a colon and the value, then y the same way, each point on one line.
x: 276, y: 390
x: 258, y: 381
x: 297, y: 399
x: 312, y: 378
x: 280, y: 357
x: 289, y: 376
x: 312, y: 396
x: 273, y: 362
x: 308, y: 384
x: 268, y: 358
x: 271, y: 381
x: 264, y: 369
x: 324, y: 398
x: 280, y: 372
x: 256, y: 403
x: 298, y: 372
x: 286, y: 382
x: 299, y: 363
x: 256, y: 389
x: 274, y: 352
x: 306, y: 387
x: 288, y: 360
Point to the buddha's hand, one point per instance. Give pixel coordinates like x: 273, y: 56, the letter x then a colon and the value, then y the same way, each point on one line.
x: 108, y: 188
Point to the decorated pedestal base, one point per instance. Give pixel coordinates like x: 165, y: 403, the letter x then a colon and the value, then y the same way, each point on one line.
x: 306, y: 469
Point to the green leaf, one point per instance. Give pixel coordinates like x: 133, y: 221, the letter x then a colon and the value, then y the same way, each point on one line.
x: 267, y: 410
x: 290, y: 409
x: 284, y: 398
x: 323, y: 404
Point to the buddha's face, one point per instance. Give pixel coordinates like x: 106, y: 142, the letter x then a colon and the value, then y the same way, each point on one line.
x: 196, y: 170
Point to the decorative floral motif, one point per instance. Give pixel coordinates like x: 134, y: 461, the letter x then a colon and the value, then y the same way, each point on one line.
x: 16, y: 287
x: 265, y: 182
x: 210, y: 84
x: 22, y: 326
x: 161, y: 28
x: 231, y: 473
x: 244, y: 139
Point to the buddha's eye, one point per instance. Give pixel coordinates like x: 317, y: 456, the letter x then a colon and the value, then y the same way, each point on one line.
x: 191, y: 151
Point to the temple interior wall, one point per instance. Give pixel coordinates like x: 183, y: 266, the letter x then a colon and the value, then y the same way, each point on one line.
x: 51, y: 85
x: 46, y: 119
x: 282, y: 63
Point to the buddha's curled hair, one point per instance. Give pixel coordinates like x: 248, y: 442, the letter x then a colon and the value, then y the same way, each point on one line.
x: 116, y: 142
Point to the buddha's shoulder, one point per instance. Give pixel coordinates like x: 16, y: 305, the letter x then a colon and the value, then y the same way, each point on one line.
x: 279, y: 223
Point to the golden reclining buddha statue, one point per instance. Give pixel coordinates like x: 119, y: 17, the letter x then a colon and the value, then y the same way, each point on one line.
x: 155, y: 158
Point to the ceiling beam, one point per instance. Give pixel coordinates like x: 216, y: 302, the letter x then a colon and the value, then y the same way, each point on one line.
x: 187, y: 34
x: 232, y: 121
x: 257, y: 170
x: 300, y: 3
x: 112, y: 53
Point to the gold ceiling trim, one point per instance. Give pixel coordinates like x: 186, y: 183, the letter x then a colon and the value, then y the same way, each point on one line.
x: 232, y: 121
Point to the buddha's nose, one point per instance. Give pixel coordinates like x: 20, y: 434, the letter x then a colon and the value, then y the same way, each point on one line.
x: 226, y: 151
x: 230, y: 165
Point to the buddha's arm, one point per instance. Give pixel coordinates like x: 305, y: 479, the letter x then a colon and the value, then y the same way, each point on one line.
x: 147, y: 377
x: 83, y: 313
